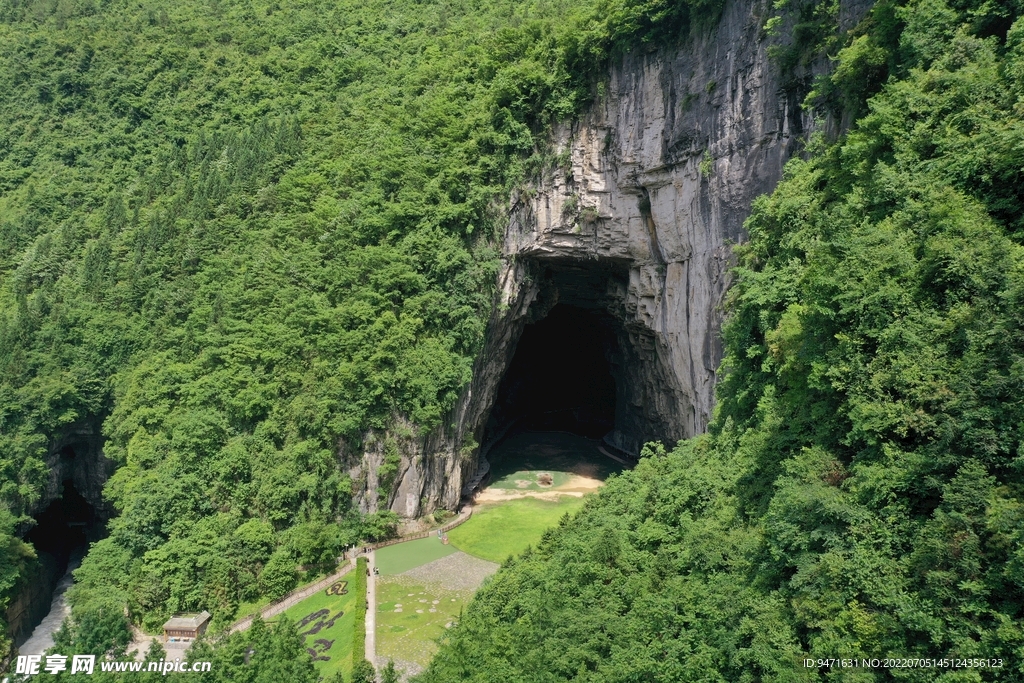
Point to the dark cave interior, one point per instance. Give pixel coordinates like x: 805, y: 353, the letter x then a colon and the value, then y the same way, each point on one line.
x: 560, y: 378
x: 585, y: 363
x: 60, y: 536
x: 65, y: 527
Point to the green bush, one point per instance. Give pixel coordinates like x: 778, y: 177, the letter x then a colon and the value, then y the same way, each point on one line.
x: 359, y: 630
x: 235, y: 237
x: 861, y: 488
x: 279, y: 575
x: 99, y: 630
x: 363, y: 672
x: 380, y: 526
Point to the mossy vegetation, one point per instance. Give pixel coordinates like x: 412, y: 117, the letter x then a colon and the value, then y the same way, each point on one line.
x: 234, y: 236
x: 499, y: 531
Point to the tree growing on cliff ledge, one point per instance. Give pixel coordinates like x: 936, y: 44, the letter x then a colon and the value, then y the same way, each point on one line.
x: 236, y: 235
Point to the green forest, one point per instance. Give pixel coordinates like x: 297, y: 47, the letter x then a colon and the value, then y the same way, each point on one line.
x: 235, y: 235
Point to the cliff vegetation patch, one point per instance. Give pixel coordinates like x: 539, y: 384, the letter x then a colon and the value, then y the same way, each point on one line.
x: 860, y: 492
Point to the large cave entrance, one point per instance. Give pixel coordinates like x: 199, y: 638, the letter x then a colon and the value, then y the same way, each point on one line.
x: 586, y: 363
x: 64, y: 529
x: 560, y: 378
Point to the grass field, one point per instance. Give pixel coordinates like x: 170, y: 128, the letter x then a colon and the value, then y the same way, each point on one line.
x: 411, y: 617
x: 414, y: 609
x: 327, y: 621
x: 395, y: 559
x: 528, y: 480
x: 496, y: 531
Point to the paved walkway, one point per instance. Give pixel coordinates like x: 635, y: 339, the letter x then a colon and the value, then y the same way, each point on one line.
x: 371, y: 609
x: 300, y: 595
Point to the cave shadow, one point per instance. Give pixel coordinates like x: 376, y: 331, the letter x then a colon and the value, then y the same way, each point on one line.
x: 60, y: 536
x: 560, y: 377
x: 63, y: 530
x: 556, y: 402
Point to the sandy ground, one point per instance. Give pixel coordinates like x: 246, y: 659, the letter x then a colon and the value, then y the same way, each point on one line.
x: 577, y: 487
x: 140, y: 644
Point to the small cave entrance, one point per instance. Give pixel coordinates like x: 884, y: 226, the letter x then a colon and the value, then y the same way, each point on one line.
x: 64, y: 529
x: 560, y: 377
x: 61, y: 536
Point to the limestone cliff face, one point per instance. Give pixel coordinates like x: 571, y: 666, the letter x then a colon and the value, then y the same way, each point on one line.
x: 652, y: 188
x: 77, y: 458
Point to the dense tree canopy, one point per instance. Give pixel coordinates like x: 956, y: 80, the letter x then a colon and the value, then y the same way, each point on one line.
x: 235, y: 235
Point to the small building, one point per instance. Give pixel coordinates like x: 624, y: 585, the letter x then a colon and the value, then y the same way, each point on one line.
x: 182, y: 626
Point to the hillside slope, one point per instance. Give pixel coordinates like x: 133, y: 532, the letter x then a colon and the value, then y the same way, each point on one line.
x: 234, y: 237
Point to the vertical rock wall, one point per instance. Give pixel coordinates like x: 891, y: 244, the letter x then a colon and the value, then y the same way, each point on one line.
x: 656, y: 179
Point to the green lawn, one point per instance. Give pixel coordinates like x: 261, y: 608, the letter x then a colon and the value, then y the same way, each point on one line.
x: 496, y: 531
x: 402, y: 557
x: 520, y: 459
x: 329, y: 634
x: 526, y: 480
x: 407, y: 629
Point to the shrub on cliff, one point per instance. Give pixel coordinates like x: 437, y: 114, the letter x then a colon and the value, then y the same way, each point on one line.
x: 232, y: 235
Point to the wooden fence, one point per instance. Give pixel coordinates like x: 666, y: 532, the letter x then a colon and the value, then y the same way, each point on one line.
x: 466, y: 513
x: 300, y: 594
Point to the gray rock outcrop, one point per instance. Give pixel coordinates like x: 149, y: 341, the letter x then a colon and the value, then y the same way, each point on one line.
x: 75, y: 459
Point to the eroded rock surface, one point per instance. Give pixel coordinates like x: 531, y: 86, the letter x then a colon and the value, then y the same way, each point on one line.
x: 74, y: 461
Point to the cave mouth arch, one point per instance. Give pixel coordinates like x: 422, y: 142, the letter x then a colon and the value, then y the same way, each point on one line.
x: 72, y: 516
x: 585, y: 353
x: 65, y: 527
x: 561, y: 376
